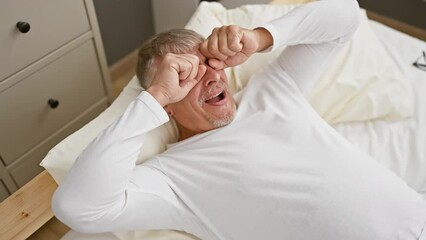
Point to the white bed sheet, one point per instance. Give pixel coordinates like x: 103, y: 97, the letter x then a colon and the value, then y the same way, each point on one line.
x: 399, y: 145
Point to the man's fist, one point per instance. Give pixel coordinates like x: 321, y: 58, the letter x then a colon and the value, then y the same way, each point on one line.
x: 230, y: 46
x: 175, y: 76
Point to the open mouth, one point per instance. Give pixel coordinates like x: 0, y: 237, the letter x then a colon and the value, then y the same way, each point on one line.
x: 216, y: 99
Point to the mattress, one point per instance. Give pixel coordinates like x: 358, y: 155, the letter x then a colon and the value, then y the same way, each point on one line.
x: 399, y: 145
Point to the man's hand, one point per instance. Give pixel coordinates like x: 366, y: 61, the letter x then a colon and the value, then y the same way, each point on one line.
x: 230, y: 46
x: 175, y: 76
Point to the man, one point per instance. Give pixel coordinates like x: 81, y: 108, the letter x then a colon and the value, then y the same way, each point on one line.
x: 273, y: 169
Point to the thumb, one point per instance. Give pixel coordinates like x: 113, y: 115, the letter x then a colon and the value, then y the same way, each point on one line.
x: 189, y: 84
x: 201, y: 71
x: 217, y: 64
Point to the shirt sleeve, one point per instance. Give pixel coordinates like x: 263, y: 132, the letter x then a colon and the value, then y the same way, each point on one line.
x: 105, y: 191
x: 313, y: 33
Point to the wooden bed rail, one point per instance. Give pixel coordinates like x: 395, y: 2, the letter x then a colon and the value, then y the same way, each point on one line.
x: 398, y: 25
x: 26, y: 210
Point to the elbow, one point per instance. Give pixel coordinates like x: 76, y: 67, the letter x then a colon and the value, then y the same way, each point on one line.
x: 350, y: 16
x: 355, y: 16
x: 338, y: 18
x: 72, y: 214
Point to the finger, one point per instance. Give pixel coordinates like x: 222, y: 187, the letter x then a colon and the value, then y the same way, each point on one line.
x: 204, y: 49
x: 194, y: 62
x: 223, y: 43
x: 189, y: 84
x: 236, y: 60
x: 213, y: 45
x: 183, y: 68
x: 188, y: 66
x: 202, y: 69
x: 217, y: 64
x: 180, y: 68
x: 234, y: 38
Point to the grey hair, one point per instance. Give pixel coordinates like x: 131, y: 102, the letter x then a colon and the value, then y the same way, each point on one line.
x: 177, y: 41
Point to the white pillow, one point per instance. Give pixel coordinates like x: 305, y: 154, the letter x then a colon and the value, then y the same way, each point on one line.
x: 362, y: 83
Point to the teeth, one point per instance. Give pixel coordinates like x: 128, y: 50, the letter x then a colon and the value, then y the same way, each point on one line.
x: 216, y: 95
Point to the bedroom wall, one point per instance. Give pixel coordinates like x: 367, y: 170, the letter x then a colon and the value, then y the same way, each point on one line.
x: 168, y: 14
x: 124, y: 25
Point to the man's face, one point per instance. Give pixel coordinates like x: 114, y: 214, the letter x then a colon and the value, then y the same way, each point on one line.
x: 208, y: 105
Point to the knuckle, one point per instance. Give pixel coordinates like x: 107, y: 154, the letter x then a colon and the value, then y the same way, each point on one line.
x: 223, y: 49
x: 216, y: 30
x: 193, y: 61
x: 212, y: 48
x: 223, y: 29
x: 194, y: 58
x: 168, y: 57
x: 233, y: 29
x: 234, y: 45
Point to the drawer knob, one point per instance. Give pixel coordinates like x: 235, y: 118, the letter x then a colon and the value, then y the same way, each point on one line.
x: 23, y: 27
x: 53, y: 103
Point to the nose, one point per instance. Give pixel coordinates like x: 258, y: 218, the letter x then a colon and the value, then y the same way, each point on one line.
x: 211, y: 76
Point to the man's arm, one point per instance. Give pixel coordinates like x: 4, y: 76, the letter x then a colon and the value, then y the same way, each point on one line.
x: 104, y: 190
x: 312, y: 33
x: 99, y: 192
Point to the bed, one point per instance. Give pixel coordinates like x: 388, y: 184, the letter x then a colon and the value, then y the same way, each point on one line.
x: 396, y: 138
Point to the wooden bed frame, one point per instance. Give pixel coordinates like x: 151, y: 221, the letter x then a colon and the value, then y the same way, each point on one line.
x: 26, y: 210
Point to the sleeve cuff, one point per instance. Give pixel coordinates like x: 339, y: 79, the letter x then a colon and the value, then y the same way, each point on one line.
x: 154, y: 106
x: 278, y: 35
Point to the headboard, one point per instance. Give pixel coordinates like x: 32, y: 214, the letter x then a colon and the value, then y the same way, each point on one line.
x: 393, y: 23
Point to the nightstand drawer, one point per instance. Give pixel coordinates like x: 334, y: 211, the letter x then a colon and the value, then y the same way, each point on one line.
x: 28, y: 166
x: 45, y: 101
x: 52, y: 24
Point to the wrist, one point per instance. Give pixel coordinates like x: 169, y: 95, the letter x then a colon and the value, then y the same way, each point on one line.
x: 161, y: 98
x: 265, y: 39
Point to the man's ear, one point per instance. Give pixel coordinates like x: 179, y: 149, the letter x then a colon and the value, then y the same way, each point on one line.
x: 169, y: 110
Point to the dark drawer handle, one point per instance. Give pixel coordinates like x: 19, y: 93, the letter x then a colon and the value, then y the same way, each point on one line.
x: 53, y: 103
x: 23, y: 27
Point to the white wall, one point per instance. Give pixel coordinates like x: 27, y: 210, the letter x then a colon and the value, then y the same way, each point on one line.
x: 169, y: 14
x: 124, y: 25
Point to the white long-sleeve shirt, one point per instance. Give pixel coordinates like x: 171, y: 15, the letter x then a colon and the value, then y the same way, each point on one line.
x: 278, y: 171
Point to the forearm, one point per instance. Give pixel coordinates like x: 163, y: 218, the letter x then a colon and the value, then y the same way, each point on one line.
x: 316, y: 22
x: 97, y: 182
x: 313, y: 34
